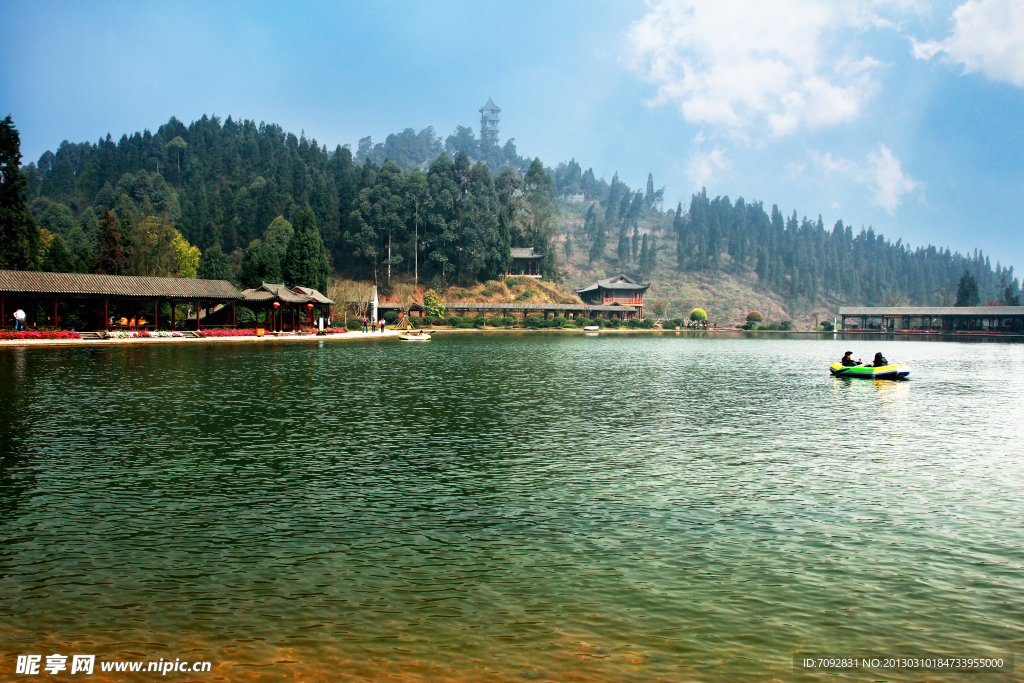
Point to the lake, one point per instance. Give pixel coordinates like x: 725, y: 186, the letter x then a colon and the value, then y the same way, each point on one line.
x: 510, y: 507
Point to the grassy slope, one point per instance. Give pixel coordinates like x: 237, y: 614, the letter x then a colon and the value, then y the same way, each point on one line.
x: 727, y: 294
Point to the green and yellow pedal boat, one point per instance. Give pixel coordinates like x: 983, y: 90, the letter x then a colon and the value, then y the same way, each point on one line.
x: 870, y: 372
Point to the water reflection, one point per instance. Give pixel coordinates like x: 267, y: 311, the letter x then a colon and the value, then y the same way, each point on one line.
x: 501, y: 508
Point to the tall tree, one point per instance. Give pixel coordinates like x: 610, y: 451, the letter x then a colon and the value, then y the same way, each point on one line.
x: 19, y: 234
x: 305, y: 263
x: 110, y: 254
x: 214, y: 265
x: 967, y: 290
x: 58, y: 259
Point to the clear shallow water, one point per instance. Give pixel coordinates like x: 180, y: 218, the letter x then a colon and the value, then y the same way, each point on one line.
x: 507, y: 508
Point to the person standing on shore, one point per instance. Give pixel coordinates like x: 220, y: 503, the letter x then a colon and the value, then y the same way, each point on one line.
x: 19, y: 320
x: 381, y: 324
x: 366, y: 324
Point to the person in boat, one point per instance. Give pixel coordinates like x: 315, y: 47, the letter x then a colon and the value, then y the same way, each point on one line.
x: 848, y: 360
x: 880, y: 360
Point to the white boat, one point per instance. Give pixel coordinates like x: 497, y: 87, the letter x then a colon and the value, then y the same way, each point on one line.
x: 418, y: 336
x: 591, y: 328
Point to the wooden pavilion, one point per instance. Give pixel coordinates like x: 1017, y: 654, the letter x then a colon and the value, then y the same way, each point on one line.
x: 616, y: 291
x: 33, y: 291
x: 287, y: 310
x: 525, y: 263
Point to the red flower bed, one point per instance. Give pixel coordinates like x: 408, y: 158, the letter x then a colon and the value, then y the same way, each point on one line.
x: 335, y: 330
x: 37, y: 334
x: 227, y: 333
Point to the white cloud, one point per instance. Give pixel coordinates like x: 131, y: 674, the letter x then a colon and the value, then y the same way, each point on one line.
x: 988, y: 37
x: 703, y: 167
x: 738, y: 64
x: 886, y: 178
x: 881, y: 172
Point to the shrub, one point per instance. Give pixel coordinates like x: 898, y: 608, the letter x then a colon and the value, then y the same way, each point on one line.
x: 827, y: 326
x: 486, y: 292
x: 633, y: 323
x: 525, y: 295
x: 509, y: 320
x: 244, y: 316
x: 613, y: 323
x: 535, y: 321
x: 768, y: 328
x: 511, y: 282
x: 647, y: 323
x: 559, y: 321
x: 786, y: 325
x: 698, y: 314
x: 754, y: 317
x: 570, y: 325
x: 677, y: 322
x: 391, y: 317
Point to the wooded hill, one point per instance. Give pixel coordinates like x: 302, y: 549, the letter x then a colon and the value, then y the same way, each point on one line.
x: 221, y: 185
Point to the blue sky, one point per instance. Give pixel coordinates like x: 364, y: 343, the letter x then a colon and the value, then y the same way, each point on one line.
x: 904, y: 115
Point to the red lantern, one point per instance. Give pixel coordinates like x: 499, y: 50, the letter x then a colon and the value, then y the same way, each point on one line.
x: 277, y: 304
x: 309, y: 305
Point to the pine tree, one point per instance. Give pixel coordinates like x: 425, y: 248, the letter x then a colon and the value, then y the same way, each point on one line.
x: 214, y: 265
x: 623, y: 250
x: 110, y: 254
x: 305, y: 263
x: 58, y: 259
x: 644, y: 255
x: 967, y: 290
x: 19, y: 235
x: 635, y: 245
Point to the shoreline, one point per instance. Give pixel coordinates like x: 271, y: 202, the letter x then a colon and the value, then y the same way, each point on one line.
x: 393, y: 334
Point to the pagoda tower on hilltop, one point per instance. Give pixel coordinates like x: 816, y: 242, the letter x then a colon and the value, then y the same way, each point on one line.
x: 490, y: 115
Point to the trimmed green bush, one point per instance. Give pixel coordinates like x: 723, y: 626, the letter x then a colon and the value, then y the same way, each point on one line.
x: 511, y: 282
x: 391, y: 317
x: 525, y: 295
x: 698, y: 314
x: 786, y: 325
x: 613, y: 323
x: 244, y: 317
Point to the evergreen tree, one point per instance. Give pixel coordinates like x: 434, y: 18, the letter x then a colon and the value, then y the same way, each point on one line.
x: 305, y: 262
x: 623, y: 250
x: 967, y: 290
x: 58, y: 259
x: 635, y: 242
x: 19, y: 235
x: 110, y: 256
x: 644, y: 255
x: 214, y: 265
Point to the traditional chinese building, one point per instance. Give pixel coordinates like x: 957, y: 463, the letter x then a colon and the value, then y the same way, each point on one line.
x: 287, y: 310
x: 525, y: 262
x: 616, y: 291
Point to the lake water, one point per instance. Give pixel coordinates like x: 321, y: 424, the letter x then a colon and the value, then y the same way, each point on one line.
x: 510, y: 507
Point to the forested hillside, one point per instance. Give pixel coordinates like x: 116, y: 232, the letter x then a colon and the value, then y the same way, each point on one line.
x: 149, y: 203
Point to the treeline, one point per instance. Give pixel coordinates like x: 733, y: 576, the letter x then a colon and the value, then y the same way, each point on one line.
x: 803, y: 260
x: 797, y: 258
x: 221, y: 186
x: 447, y: 211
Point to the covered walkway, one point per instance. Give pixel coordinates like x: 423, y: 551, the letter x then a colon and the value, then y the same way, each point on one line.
x: 100, y: 302
x: 933, y: 319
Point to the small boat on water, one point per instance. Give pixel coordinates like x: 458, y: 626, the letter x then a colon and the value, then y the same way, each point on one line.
x: 870, y: 372
x: 417, y: 336
x: 591, y: 328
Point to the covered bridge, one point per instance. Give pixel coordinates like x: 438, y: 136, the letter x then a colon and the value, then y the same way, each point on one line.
x: 99, y: 298
x: 991, y: 319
